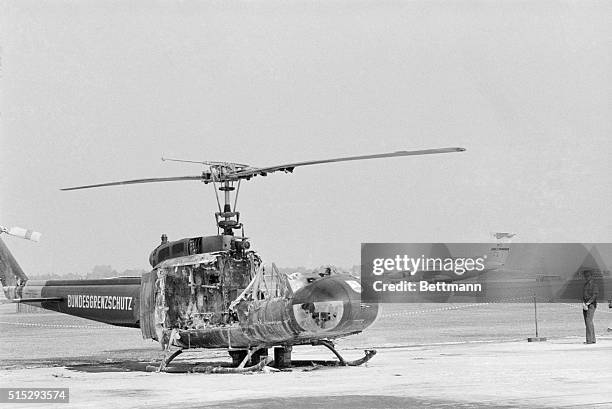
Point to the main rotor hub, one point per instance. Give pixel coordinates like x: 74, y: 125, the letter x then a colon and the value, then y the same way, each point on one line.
x: 227, y: 219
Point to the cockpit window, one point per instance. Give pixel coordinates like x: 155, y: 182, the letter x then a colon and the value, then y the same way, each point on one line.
x: 163, y: 254
x: 178, y: 249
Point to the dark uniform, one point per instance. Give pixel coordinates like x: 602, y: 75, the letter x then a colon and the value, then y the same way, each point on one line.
x: 589, y: 300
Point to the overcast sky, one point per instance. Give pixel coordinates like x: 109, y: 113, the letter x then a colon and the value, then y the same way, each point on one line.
x: 97, y: 91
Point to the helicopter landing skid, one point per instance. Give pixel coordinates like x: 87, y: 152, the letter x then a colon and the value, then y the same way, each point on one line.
x: 164, y: 366
x: 369, y: 353
x: 263, y: 361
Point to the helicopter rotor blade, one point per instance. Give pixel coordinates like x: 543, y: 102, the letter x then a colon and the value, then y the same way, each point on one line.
x: 136, y: 181
x: 290, y: 166
x: 230, y: 175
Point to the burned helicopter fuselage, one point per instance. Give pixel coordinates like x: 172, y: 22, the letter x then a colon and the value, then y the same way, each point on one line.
x: 225, y: 298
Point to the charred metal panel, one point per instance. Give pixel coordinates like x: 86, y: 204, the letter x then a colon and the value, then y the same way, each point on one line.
x: 160, y: 317
x: 193, y: 295
x: 236, y: 277
x: 230, y: 336
x: 147, y: 305
x: 271, y: 322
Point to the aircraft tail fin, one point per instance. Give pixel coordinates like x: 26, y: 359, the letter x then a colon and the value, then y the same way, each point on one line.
x: 12, y: 276
x: 497, y: 256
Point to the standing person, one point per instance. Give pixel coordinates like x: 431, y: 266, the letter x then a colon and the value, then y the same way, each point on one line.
x: 589, y: 304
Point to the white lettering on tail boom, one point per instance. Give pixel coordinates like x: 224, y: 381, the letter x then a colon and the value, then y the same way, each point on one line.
x: 100, y: 302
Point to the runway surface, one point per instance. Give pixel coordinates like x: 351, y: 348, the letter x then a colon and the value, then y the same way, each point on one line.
x: 429, y: 355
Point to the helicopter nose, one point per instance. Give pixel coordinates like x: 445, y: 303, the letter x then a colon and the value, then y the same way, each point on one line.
x: 332, y: 306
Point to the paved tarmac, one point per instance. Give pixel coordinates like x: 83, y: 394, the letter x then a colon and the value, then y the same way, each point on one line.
x: 557, y: 373
x: 428, y: 357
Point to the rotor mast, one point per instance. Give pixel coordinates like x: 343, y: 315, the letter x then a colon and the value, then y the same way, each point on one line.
x: 230, y: 218
x: 227, y: 219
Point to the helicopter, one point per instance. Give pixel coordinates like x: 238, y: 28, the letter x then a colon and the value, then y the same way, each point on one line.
x: 215, y: 291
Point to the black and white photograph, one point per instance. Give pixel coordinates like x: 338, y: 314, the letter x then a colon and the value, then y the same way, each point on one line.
x: 306, y: 204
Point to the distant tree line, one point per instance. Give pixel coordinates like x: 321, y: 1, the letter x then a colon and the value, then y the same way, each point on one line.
x: 106, y: 271
x: 101, y: 271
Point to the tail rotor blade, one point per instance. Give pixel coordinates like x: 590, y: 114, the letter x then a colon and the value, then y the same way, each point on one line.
x: 22, y: 233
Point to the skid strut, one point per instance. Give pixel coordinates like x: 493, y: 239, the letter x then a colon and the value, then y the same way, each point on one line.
x: 169, y: 356
x: 166, y: 361
x: 253, y: 353
x: 330, y: 345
